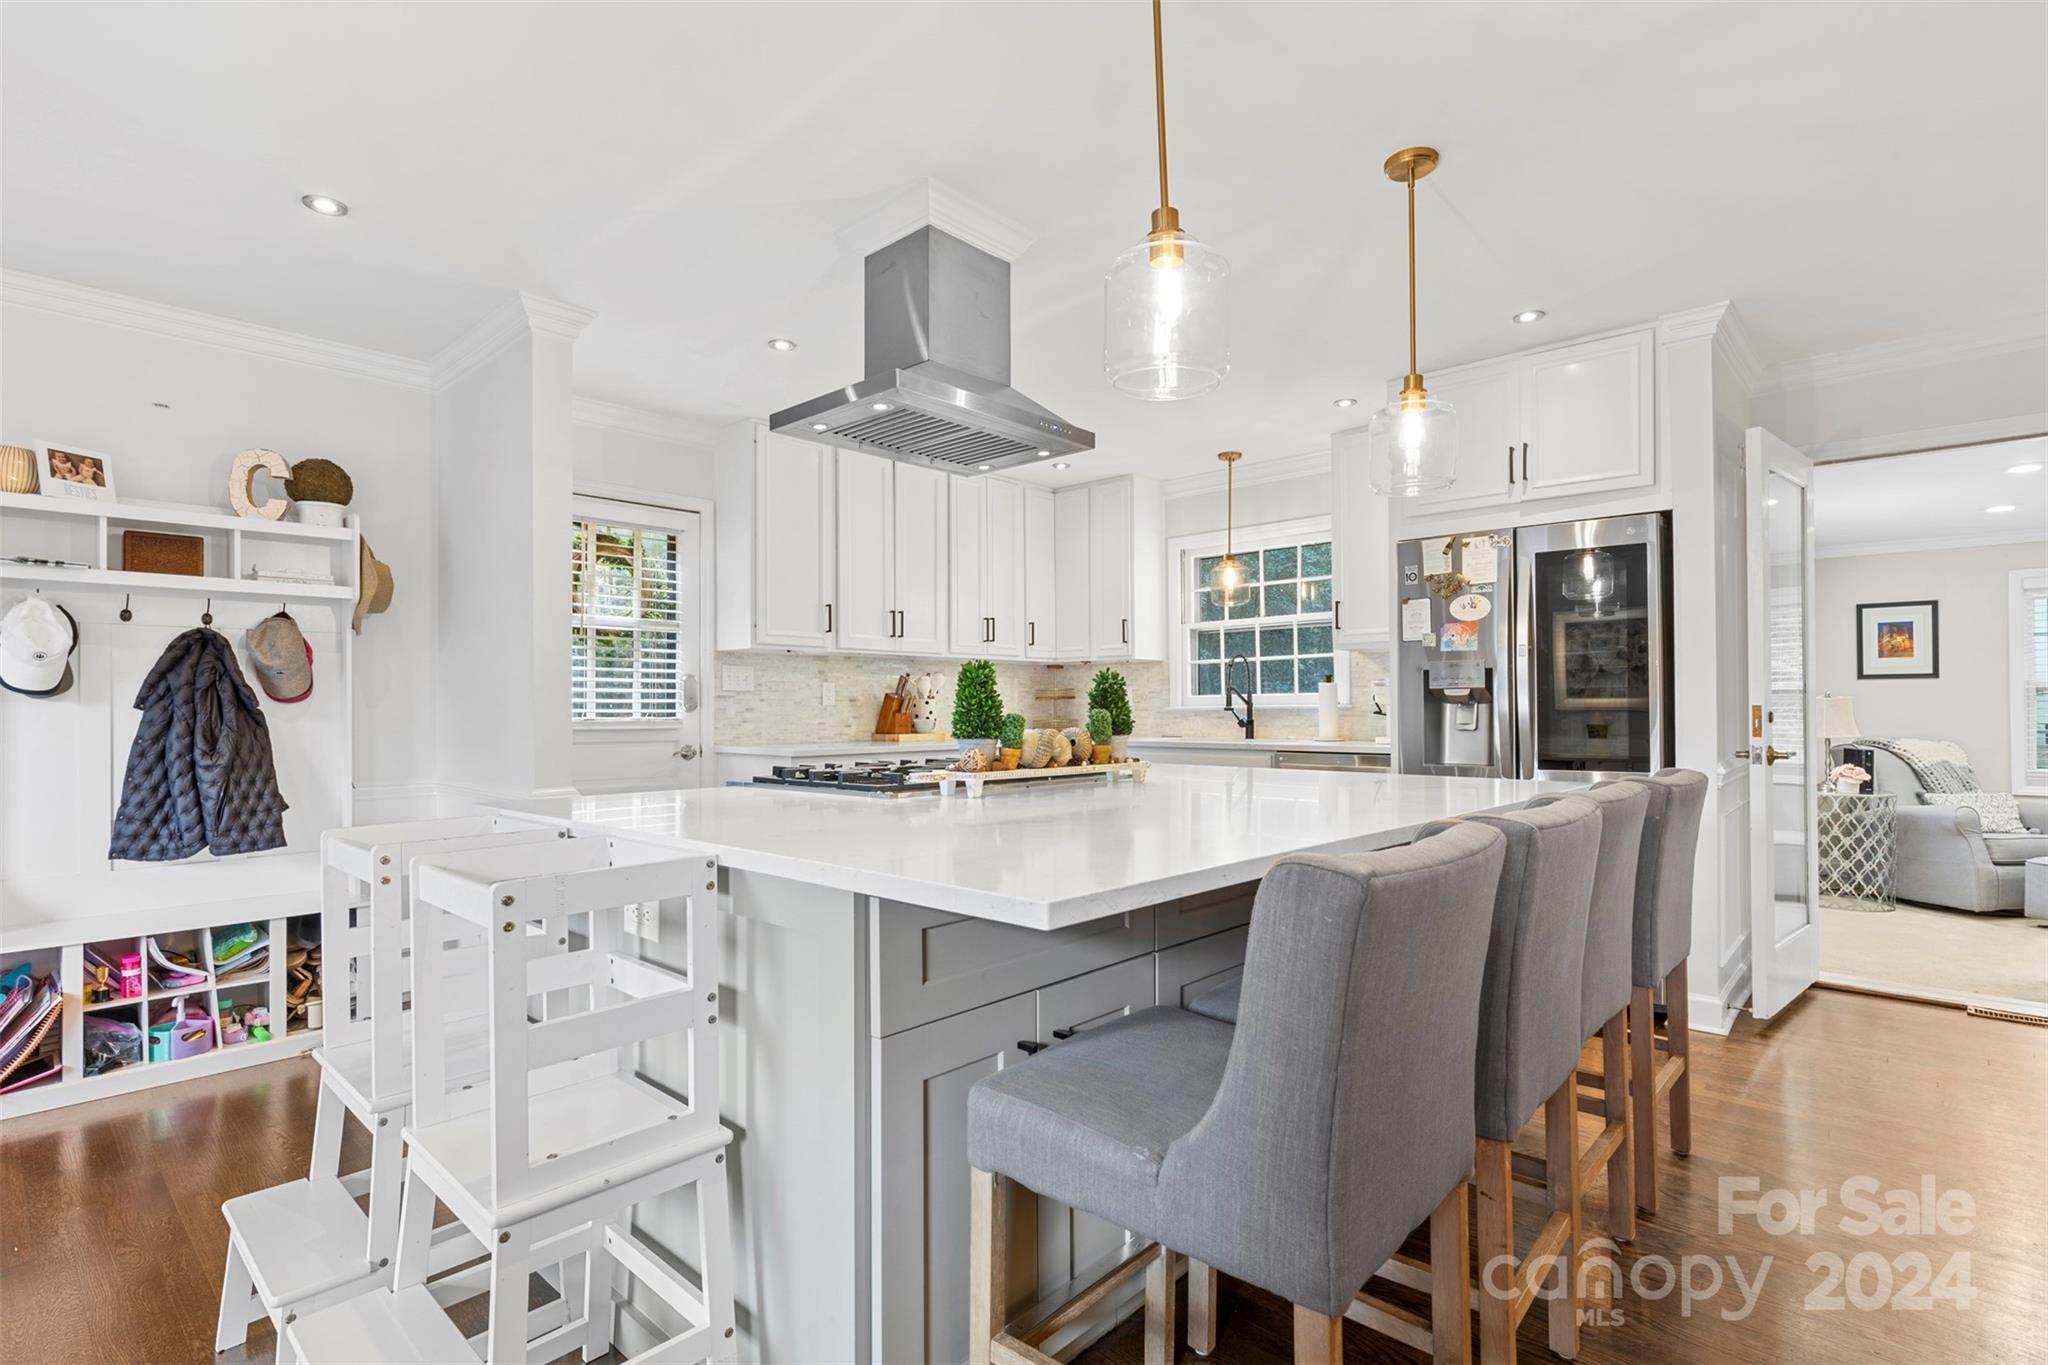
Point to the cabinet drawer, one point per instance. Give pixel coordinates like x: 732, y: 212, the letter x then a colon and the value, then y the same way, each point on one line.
x: 1211, y: 912
x: 1188, y: 969
x: 927, y: 964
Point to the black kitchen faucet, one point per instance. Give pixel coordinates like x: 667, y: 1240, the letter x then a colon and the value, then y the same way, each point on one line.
x: 1231, y: 694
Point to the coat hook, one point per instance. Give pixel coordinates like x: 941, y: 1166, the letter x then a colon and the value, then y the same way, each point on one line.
x: 206, y: 617
x: 126, y: 613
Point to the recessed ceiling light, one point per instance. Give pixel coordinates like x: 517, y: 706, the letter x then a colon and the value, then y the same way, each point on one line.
x: 1043, y: 454
x: 2024, y: 469
x: 1060, y: 464
x: 984, y: 468
x: 325, y: 204
x: 781, y: 344
x: 881, y: 407
x: 817, y: 426
x: 1344, y: 402
x: 2001, y: 507
x: 1530, y: 315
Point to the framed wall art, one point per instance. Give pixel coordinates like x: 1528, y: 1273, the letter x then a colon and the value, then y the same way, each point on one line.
x: 69, y: 473
x: 1898, y: 640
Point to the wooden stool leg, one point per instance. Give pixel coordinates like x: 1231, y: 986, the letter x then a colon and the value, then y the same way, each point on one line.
x: 988, y: 1275
x: 1561, y: 1166
x: 1160, y: 1286
x: 715, y: 1255
x: 238, y: 1305
x: 1621, y: 1171
x: 329, y: 1113
x: 1642, y: 1083
x: 510, y: 1266
x: 1450, y: 1281
x: 1493, y: 1179
x: 1318, y: 1340
x: 1678, y: 1024
x: 1201, y: 1307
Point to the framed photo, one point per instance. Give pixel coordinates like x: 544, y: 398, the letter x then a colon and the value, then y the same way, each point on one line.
x: 1898, y: 639
x: 1600, y: 663
x: 70, y: 473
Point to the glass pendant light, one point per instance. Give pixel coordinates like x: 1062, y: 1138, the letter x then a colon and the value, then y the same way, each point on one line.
x: 1165, y: 302
x: 1413, y: 445
x: 1227, y: 577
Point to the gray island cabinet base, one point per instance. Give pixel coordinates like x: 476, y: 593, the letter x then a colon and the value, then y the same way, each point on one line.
x: 856, y: 1016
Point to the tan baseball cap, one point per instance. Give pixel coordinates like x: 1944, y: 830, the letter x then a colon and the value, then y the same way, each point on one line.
x: 281, y: 658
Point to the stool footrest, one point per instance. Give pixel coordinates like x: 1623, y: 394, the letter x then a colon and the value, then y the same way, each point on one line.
x: 403, y: 1328
x: 300, y: 1239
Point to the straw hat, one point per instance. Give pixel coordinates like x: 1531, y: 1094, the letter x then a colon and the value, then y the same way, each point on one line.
x: 373, y: 587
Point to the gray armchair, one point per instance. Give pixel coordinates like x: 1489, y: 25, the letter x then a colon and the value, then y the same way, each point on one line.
x: 1945, y: 858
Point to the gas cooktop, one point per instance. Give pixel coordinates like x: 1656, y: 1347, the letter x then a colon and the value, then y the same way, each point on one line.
x: 884, y: 779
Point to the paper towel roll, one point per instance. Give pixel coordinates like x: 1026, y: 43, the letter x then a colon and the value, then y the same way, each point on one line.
x: 1326, y: 708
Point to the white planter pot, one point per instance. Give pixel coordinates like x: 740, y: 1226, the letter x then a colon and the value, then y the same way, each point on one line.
x: 1119, y: 747
x: 987, y: 746
x: 319, y: 513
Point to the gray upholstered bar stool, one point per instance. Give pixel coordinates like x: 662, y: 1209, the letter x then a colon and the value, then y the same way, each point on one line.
x: 1663, y: 938
x: 1296, y: 1150
x: 1604, y: 995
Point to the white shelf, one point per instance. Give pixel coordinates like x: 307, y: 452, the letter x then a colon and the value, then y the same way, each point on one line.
x: 165, y: 514
x: 123, y: 580
x: 156, y: 898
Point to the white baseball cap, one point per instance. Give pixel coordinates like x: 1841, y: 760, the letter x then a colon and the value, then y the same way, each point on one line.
x: 37, y: 640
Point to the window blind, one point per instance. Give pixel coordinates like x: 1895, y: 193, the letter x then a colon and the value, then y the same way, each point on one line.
x: 624, y: 622
x: 2032, y: 649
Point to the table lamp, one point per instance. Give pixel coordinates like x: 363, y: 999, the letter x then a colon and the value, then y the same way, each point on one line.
x: 1837, y: 722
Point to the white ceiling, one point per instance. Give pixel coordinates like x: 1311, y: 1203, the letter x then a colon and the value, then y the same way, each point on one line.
x: 1845, y: 175
x: 1904, y: 502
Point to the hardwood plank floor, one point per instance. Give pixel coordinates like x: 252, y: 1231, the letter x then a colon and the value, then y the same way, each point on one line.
x: 111, y: 1239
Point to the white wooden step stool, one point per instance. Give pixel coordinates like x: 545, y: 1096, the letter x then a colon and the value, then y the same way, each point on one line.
x: 545, y: 1163
x: 304, y: 1244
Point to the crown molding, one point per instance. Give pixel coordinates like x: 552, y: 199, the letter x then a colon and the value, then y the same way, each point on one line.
x: 520, y: 317
x: 1692, y: 323
x: 1249, y: 474
x: 1861, y: 549
x: 934, y: 202
x: 698, y: 433
x: 206, y: 329
x: 1911, y: 353
x: 1991, y: 431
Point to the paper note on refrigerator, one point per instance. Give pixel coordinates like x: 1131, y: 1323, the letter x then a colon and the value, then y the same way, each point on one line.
x: 1415, y: 618
x: 1482, y: 560
x: 1436, y: 555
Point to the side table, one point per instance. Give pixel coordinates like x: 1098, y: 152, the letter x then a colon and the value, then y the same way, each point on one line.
x: 1858, y: 850
x: 2036, y: 901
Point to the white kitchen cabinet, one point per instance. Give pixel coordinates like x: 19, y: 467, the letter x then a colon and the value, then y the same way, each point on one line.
x: 1546, y: 435
x: 892, y: 556
x: 1110, y: 571
x: 777, y: 527
x: 1586, y: 416
x: 987, y: 569
x: 1041, y: 554
x: 1362, y: 558
x: 1070, y: 573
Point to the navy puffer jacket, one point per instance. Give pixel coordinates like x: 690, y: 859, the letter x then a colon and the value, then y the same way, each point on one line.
x: 200, y: 774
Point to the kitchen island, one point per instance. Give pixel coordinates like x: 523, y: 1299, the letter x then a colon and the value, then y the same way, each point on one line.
x: 884, y: 954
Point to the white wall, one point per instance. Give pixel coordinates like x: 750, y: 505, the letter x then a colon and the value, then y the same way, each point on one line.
x: 97, y: 384
x: 1911, y: 396
x: 1970, y: 703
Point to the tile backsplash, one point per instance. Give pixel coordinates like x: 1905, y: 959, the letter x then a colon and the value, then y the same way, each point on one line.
x: 786, y: 703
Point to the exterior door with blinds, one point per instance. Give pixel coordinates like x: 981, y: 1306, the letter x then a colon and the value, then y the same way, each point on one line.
x: 636, y: 639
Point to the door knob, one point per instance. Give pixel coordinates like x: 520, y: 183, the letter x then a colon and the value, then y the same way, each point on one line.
x: 1773, y: 754
x: 686, y: 752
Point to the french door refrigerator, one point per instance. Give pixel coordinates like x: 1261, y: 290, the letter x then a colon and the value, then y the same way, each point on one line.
x: 1537, y: 651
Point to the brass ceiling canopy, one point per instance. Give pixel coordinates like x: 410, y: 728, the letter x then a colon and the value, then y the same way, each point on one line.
x: 1411, y: 163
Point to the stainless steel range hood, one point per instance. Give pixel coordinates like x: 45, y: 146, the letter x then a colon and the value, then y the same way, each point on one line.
x: 937, y: 390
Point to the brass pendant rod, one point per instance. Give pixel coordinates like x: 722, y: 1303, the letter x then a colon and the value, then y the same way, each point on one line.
x: 1229, y: 509
x: 1412, y: 372
x: 1159, y: 94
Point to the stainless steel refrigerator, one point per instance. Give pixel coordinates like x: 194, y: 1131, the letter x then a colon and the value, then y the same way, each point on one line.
x: 1536, y: 651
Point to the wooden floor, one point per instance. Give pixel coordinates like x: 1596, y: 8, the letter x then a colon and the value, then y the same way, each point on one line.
x: 111, y: 1239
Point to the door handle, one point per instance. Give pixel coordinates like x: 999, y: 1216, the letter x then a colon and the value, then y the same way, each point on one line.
x: 1511, y: 466
x: 689, y: 693
x: 1031, y: 632
x: 1127, y: 630
x: 1772, y: 754
x: 1028, y: 1046
x: 1525, y: 462
x: 686, y: 752
x: 1064, y: 1033
x: 828, y: 618
x: 1337, y: 614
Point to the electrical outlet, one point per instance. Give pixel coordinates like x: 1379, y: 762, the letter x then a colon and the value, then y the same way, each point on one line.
x: 632, y: 918
x: 831, y: 695
x: 650, y: 921
x: 738, y: 678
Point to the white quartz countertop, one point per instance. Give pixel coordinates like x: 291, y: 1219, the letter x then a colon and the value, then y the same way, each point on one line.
x: 1313, y: 746
x: 1044, y: 855
x: 850, y: 748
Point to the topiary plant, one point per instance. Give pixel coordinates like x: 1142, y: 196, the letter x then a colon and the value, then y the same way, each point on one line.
x: 319, y: 481
x: 1099, y: 725
x: 1109, y: 693
x: 977, y: 709
x: 1013, y: 731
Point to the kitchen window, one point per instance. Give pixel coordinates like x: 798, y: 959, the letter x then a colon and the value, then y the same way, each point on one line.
x: 624, y: 622
x: 1285, y: 628
x: 2030, y: 680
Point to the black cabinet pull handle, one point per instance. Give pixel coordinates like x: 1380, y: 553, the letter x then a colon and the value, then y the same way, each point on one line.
x: 828, y: 618
x: 1031, y: 632
x: 1337, y: 614
x: 1127, y: 629
x: 1511, y: 466
x: 1525, y: 462
x: 1064, y: 1033
x: 1028, y: 1046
